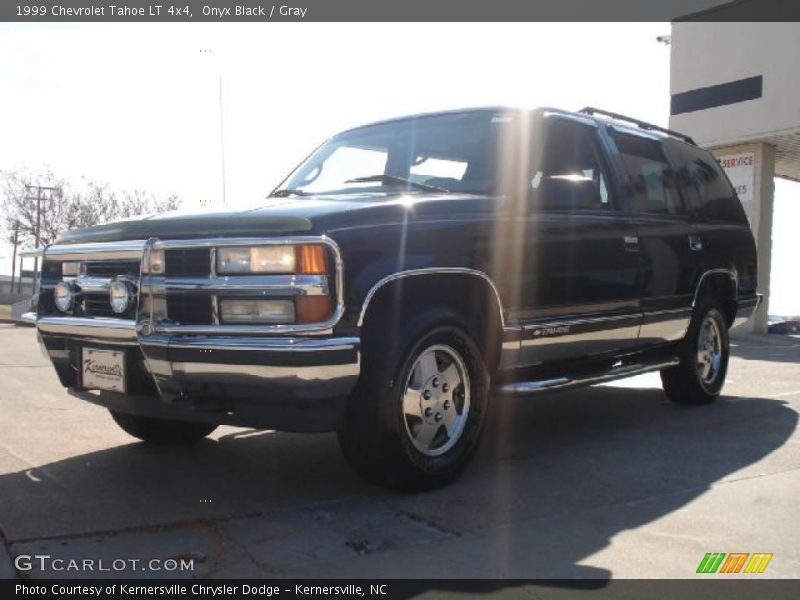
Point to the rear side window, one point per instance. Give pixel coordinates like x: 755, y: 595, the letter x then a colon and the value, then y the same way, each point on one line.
x: 654, y: 187
x: 705, y: 185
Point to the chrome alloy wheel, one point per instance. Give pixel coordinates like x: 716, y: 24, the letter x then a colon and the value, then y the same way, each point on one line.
x: 709, y: 351
x: 436, y: 400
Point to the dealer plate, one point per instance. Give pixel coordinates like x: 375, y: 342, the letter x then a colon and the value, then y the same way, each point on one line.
x: 103, y: 369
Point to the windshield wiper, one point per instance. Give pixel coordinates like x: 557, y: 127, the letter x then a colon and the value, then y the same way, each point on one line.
x: 391, y: 179
x: 287, y: 192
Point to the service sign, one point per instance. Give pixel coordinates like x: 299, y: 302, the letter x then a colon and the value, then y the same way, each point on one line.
x: 741, y: 170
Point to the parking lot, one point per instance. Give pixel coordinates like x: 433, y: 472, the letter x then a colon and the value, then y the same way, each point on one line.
x: 603, y: 482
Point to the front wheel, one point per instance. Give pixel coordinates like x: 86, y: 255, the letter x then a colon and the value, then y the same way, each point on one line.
x: 415, y: 419
x: 162, y: 431
x: 704, y: 354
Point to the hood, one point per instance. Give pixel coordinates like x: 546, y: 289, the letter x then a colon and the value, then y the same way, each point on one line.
x: 310, y: 215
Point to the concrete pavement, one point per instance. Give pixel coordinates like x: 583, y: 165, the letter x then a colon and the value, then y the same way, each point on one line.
x: 611, y: 481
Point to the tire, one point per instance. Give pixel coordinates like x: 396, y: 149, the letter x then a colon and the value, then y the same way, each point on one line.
x: 416, y: 415
x: 162, y: 431
x: 704, y: 355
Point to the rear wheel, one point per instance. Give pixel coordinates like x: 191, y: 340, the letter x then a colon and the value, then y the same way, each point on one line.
x: 704, y: 354
x: 162, y: 431
x: 416, y: 416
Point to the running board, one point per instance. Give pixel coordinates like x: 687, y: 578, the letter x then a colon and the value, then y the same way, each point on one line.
x: 525, y: 388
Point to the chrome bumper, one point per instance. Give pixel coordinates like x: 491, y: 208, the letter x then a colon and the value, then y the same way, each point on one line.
x: 286, y: 367
x: 280, y: 368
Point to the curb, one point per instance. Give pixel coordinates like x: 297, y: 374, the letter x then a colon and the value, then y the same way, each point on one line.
x: 15, y: 322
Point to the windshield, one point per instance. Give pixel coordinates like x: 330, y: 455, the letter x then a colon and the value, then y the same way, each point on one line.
x: 442, y: 153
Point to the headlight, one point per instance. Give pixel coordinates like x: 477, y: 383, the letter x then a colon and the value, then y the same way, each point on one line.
x: 260, y: 259
x: 309, y: 258
x: 120, y: 294
x: 256, y: 311
x: 64, y: 296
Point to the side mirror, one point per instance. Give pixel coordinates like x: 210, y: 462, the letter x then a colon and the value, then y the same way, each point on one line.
x: 566, y: 193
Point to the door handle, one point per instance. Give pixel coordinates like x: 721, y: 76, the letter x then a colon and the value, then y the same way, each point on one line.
x: 631, y: 243
x: 695, y: 243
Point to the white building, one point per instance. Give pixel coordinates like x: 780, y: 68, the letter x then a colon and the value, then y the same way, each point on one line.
x: 735, y: 90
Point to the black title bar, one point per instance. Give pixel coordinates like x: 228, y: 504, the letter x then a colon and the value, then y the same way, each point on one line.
x: 395, y: 10
x: 393, y: 589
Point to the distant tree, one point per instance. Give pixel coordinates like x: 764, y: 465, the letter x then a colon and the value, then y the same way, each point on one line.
x: 70, y: 207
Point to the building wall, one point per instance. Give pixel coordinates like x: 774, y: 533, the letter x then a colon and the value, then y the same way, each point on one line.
x: 708, y: 54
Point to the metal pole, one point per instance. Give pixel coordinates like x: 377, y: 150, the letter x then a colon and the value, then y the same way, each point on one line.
x: 14, y: 260
x: 38, y: 232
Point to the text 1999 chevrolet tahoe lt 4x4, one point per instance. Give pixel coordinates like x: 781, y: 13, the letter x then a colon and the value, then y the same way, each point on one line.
x: 405, y: 276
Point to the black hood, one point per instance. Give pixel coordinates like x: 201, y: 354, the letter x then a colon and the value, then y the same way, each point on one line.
x: 310, y: 215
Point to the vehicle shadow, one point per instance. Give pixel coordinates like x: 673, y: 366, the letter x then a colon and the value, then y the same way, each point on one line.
x: 555, y: 479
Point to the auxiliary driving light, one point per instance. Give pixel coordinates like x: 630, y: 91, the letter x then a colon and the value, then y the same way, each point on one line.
x: 120, y: 294
x: 64, y: 296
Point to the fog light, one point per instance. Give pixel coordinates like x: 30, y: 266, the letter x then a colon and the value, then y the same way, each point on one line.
x: 64, y: 296
x: 120, y: 294
x: 256, y: 311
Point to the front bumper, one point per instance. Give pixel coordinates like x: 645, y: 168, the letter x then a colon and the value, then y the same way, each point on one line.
x: 292, y: 383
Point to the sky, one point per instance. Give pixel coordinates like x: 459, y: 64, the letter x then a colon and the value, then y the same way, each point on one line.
x: 138, y: 105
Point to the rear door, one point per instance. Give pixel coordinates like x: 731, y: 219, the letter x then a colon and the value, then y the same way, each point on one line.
x: 666, y: 240
x: 579, y: 291
x: 722, y: 237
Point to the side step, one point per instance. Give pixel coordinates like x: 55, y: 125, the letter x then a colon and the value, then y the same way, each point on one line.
x: 525, y: 388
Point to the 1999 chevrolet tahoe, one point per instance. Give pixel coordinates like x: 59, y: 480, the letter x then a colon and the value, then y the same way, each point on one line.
x: 405, y: 276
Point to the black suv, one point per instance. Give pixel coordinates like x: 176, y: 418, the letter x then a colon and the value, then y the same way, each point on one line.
x: 405, y: 276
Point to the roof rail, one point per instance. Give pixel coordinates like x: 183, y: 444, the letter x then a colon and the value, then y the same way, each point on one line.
x: 590, y: 110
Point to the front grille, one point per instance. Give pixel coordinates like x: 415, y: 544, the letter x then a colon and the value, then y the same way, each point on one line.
x: 98, y: 305
x: 190, y: 310
x: 112, y: 268
x: 188, y: 262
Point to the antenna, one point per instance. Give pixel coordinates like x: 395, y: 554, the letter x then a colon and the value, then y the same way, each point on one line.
x: 222, y: 142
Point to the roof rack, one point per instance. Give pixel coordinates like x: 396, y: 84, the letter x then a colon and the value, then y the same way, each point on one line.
x: 590, y: 110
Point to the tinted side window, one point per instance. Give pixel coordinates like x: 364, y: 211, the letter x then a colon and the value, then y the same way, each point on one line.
x: 706, y: 185
x: 654, y: 187
x: 567, y: 170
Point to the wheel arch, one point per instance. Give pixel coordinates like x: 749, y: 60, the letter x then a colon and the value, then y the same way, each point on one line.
x: 467, y: 292
x: 721, y: 284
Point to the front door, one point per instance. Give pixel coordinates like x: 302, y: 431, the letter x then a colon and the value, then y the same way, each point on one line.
x: 578, y: 293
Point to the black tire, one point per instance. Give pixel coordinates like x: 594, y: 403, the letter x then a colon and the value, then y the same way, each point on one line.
x: 162, y: 431
x: 377, y: 439
x: 685, y: 383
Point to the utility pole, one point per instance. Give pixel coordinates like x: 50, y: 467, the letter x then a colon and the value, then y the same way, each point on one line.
x: 38, y: 233
x: 14, y: 260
